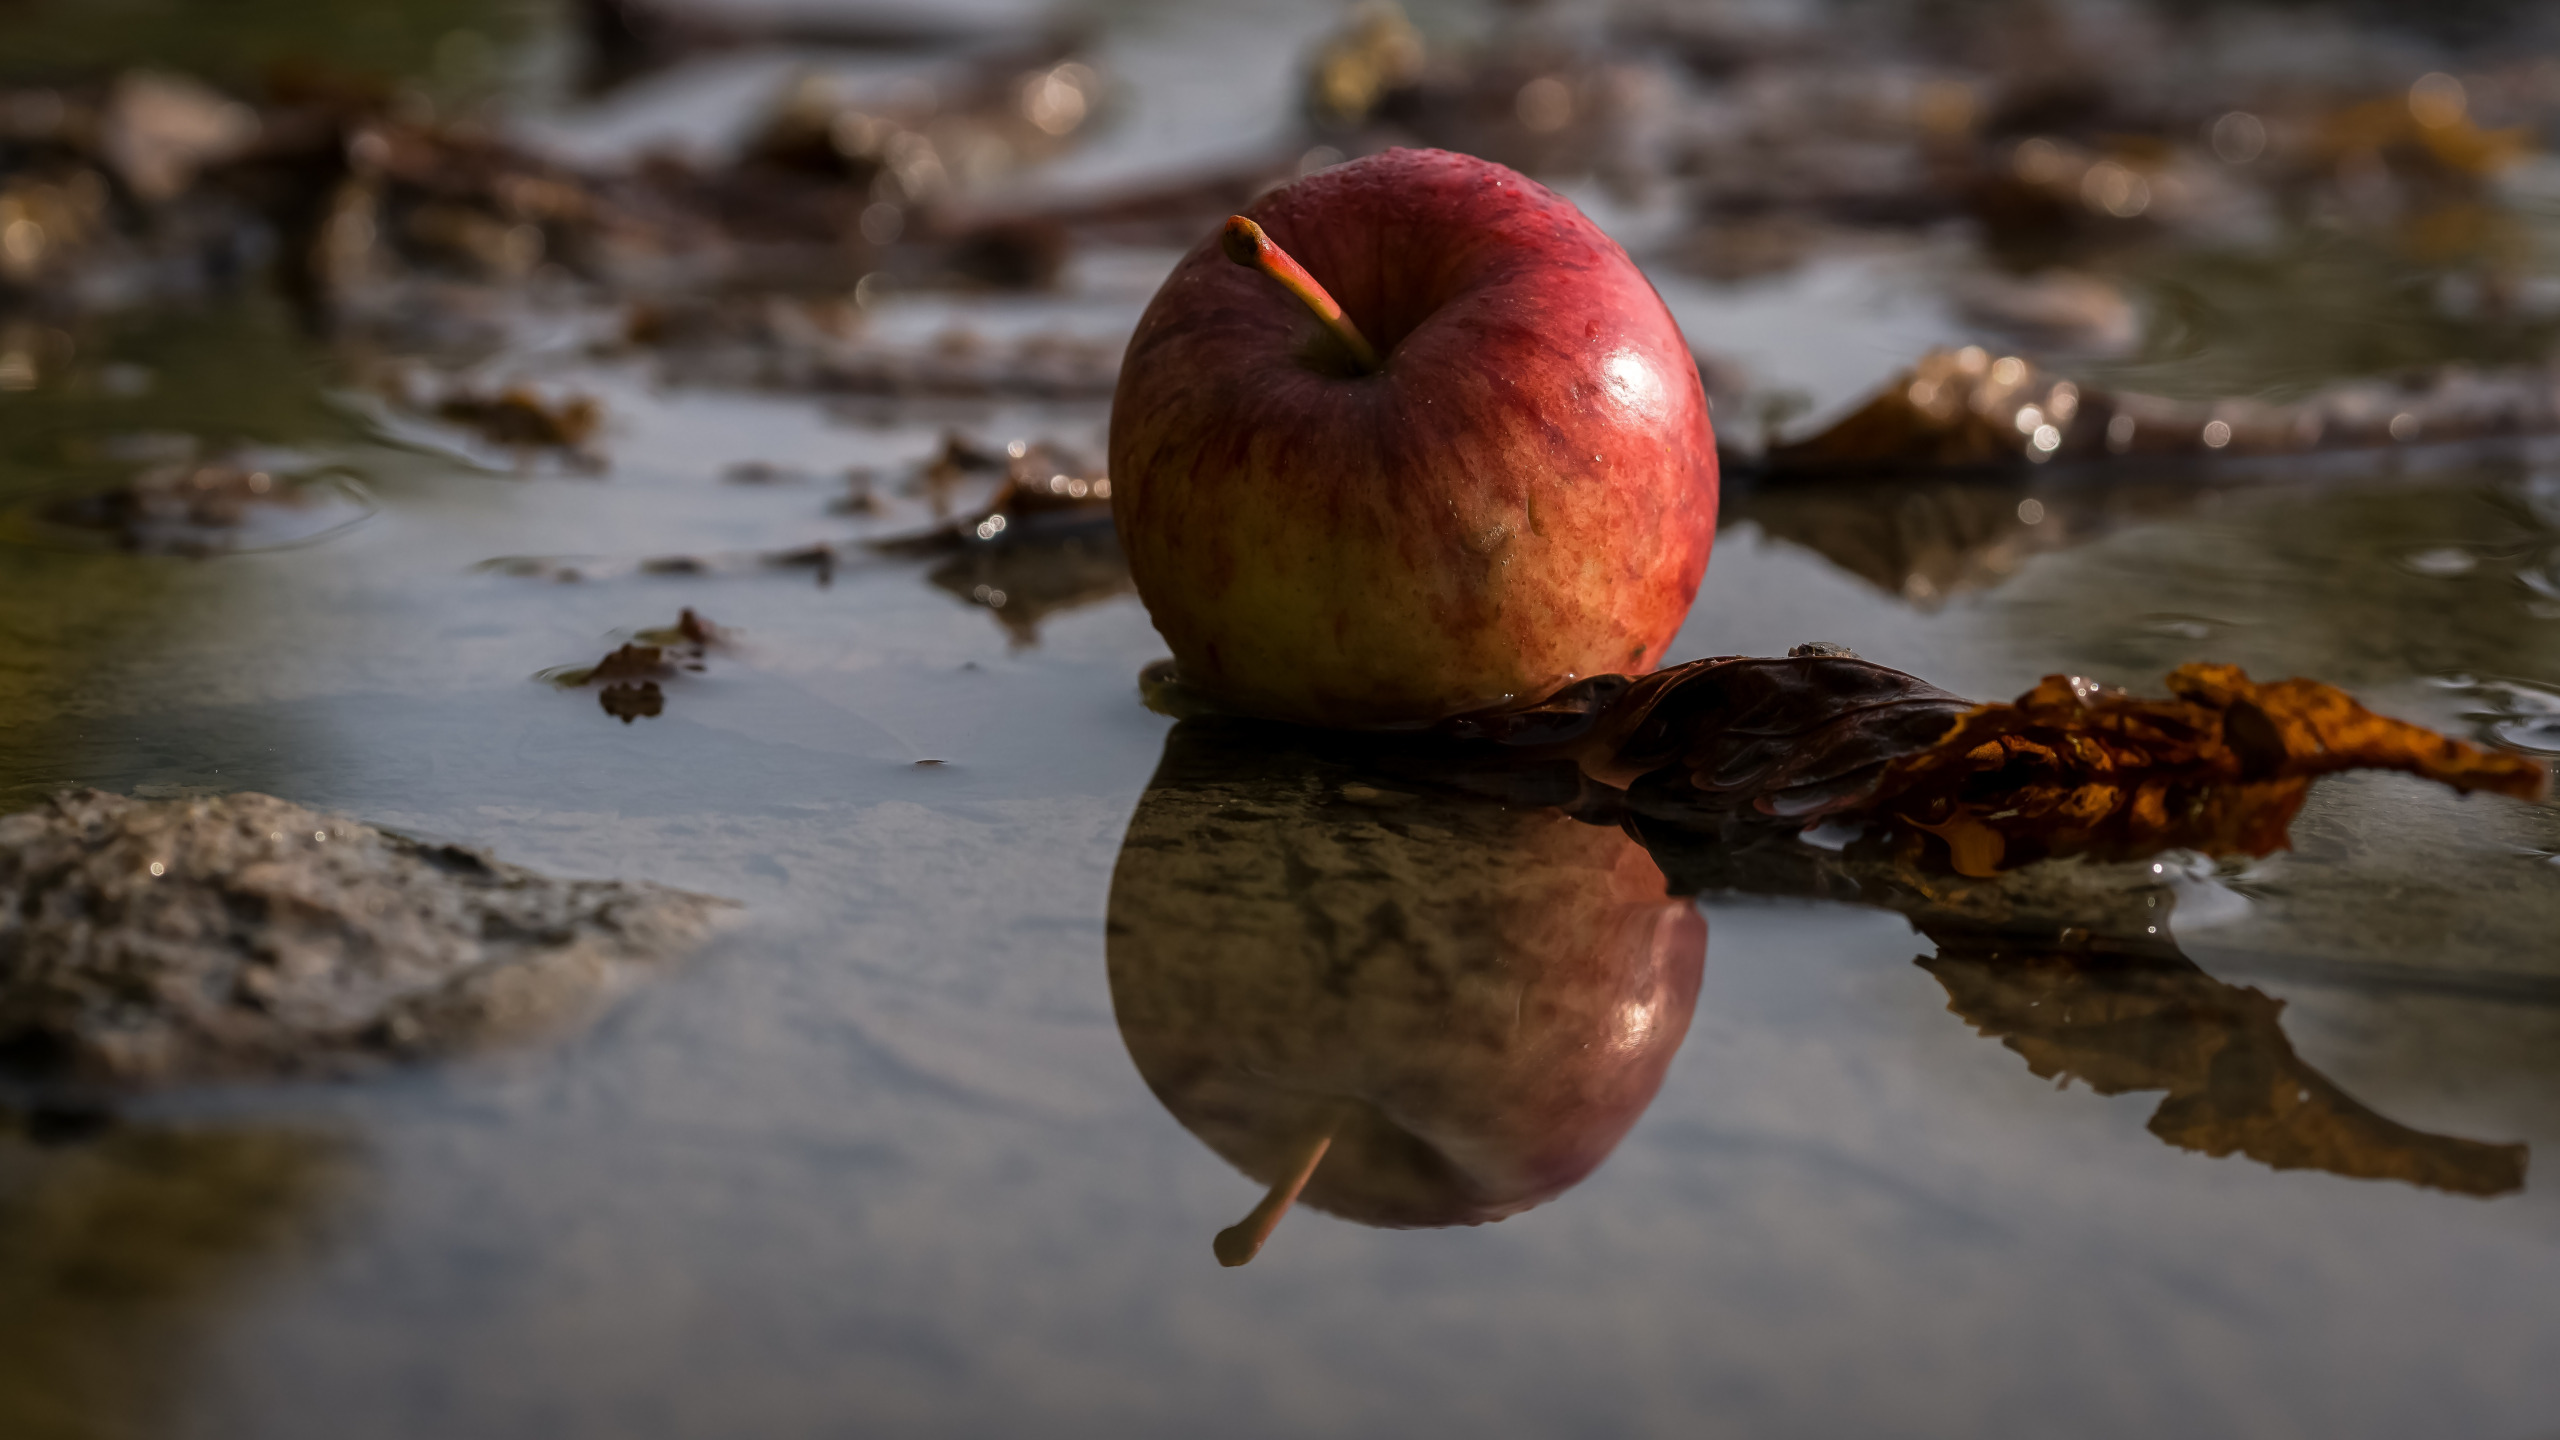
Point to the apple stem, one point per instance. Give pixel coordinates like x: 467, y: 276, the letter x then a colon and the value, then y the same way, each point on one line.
x: 1247, y: 245
x: 1244, y: 1239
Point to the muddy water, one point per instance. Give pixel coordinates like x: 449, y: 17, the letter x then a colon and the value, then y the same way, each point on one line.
x: 881, y: 1162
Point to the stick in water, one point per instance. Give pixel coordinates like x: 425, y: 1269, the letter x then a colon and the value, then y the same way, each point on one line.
x: 1246, y: 245
x: 1244, y: 1239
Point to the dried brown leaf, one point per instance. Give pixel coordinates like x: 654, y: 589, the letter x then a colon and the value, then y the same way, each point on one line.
x: 2221, y: 767
x: 630, y: 674
x: 2070, y: 768
x: 520, y: 417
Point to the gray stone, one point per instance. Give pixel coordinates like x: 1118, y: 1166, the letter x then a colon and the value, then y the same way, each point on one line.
x: 150, y: 941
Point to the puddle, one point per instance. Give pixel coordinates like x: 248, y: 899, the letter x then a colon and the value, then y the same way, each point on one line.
x: 1035, y: 991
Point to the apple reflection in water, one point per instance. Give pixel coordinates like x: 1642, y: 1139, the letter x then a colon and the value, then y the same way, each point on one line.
x: 1401, y: 1007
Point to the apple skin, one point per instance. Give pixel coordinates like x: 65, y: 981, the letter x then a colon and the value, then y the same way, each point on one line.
x: 1476, y: 1000
x: 1524, y: 494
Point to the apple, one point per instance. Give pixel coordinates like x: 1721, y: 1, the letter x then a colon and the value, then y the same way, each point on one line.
x: 1483, y: 473
x: 1404, y: 1008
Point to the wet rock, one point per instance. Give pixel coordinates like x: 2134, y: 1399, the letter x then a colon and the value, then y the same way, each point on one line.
x: 151, y: 942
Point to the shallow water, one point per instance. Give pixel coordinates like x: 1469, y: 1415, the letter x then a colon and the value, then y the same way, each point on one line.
x: 880, y: 1162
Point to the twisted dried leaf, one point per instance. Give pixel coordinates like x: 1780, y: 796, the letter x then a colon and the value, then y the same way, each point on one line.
x: 2070, y: 768
x: 2221, y: 767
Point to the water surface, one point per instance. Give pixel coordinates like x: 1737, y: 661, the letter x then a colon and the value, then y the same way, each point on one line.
x: 881, y: 1162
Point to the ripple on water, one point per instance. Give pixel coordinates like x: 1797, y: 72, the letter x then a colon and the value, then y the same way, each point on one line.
x: 2518, y: 714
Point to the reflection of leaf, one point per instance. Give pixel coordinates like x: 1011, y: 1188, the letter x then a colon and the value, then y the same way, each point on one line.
x: 2071, y: 768
x: 1025, y: 584
x: 1927, y: 540
x: 627, y: 703
x: 1047, y: 492
x: 2127, y: 1021
x: 1042, y: 544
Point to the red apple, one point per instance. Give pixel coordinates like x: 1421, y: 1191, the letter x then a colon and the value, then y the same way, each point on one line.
x: 1416, y: 1010
x: 1522, y: 490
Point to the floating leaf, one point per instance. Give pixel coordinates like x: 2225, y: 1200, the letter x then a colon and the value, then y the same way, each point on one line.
x: 2222, y: 767
x: 630, y: 674
x: 520, y: 417
x: 2070, y: 768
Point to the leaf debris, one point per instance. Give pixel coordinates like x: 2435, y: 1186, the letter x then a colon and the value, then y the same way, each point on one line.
x: 2072, y: 767
x: 632, y: 675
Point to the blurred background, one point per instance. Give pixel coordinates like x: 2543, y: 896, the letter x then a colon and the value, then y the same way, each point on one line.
x: 369, y: 370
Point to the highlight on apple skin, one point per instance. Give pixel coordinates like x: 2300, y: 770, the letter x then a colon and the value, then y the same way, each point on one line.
x: 1522, y: 492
